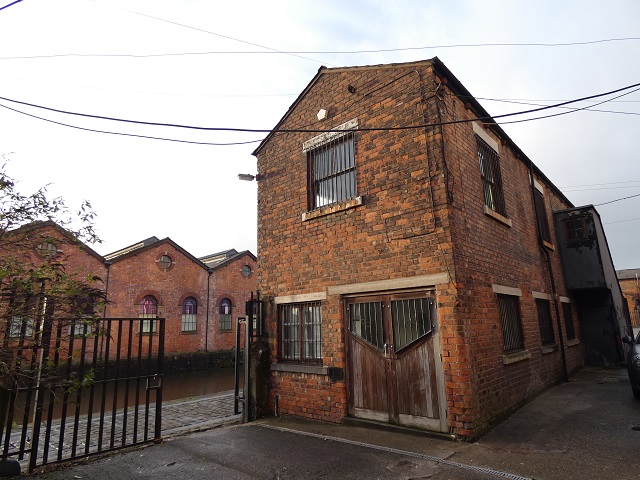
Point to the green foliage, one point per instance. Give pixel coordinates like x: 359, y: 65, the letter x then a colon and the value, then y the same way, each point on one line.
x: 39, y: 293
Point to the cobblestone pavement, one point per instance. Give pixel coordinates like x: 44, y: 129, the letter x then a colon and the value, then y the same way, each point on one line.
x: 178, y: 416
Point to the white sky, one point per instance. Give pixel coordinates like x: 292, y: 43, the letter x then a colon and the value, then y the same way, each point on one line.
x: 190, y: 193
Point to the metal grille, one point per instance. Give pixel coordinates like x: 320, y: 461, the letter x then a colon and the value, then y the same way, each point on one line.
x: 301, y: 332
x: 541, y: 211
x: 78, y: 395
x: 512, y: 339
x: 365, y: 321
x: 544, y: 320
x: 332, y: 172
x: 491, y: 177
x: 568, y: 321
x: 412, y: 319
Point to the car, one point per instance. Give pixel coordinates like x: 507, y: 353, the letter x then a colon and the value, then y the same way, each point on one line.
x: 633, y: 363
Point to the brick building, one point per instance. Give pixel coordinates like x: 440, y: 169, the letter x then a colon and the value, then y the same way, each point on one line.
x: 200, y: 299
x: 407, y: 256
x: 631, y: 290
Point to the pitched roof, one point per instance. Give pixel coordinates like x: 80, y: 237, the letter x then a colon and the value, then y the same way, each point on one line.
x: 452, y: 82
x: 131, y: 248
x: 140, y: 247
x: 215, y: 258
x: 37, y: 225
x: 232, y: 259
x: 628, y: 274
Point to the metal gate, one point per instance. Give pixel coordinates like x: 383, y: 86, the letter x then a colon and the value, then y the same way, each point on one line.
x: 84, y: 389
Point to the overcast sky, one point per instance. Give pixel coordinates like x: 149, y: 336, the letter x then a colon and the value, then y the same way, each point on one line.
x: 221, y: 64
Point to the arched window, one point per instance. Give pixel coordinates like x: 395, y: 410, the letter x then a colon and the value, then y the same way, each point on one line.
x: 148, y: 309
x: 189, y: 313
x: 225, y: 315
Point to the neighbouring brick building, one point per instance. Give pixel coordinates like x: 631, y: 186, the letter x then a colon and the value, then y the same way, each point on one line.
x: 631, y: 290
x: 408, y: 256
x: 200, y: 299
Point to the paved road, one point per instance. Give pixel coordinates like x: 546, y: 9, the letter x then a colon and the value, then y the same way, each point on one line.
x: 585, y: 429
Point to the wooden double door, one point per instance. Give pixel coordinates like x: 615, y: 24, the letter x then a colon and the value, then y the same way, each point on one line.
x: 395, y: 369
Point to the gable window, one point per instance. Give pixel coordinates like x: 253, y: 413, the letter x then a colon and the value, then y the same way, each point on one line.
x: 300, y: 332
x: 331, y: 166
x: 164, y: 262
x: 512, y: 339
x: 148, y: 310
x: 491, y: 177
x: 47, y: 249
x: 225, y: 315
x: 189, y: 314
x: 544, y: 320
x: 541, y: 213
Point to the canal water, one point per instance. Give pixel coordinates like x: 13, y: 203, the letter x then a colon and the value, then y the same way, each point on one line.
x: 175, y: 386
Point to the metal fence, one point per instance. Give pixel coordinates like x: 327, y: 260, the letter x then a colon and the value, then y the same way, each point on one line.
x: 79, y: 390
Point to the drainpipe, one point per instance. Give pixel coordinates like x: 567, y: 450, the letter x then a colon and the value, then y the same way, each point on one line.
x: 106, y: 299
x: 552, y: 281
x: 206, y: 330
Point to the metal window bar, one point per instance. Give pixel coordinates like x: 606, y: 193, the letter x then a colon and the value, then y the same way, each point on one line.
x: 333, y: 172
x: 544, y: 320
x: 412, y: 320
x: 568, y: 321
x: 543, y: 221
x: 491, y: 176
x: 300, y: 335
x: 512, y: 339
x: 365, y: 321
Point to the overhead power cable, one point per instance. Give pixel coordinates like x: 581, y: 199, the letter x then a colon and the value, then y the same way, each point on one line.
x: 307, y: 130
x: 128, y: 134
x: 616, y: 200
x: 271, y: 51
x: 12, y: 3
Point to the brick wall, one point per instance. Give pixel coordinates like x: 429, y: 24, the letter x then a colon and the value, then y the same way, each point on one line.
x: 631, y: 293
x: 422, y: 213
x: 136, y: 276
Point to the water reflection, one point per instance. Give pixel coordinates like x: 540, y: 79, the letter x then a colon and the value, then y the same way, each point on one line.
x: 175, y: 386
x: 194, y: 384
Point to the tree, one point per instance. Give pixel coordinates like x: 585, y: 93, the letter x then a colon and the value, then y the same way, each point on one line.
x: 41, y: 292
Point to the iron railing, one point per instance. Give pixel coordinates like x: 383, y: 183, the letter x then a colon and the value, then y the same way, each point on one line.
x: 78, y: 394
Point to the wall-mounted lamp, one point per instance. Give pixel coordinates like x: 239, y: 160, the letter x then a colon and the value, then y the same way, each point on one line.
x: 247, y: 177
x: 322, y: 114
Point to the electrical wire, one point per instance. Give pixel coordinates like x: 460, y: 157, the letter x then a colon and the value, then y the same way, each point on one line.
x: 621, y: 221
x: 303, y: 130
x: 12, y: 3
x: 273, y: 50
x: 127, y: 134
x: 616, y: 200
x: 299, y: 53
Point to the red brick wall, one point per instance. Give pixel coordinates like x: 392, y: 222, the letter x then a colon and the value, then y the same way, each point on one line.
x: 488, y: 252
x: 134, y: 277
x: 422, y: 213
x: 631, y: 293
x: 229, y: 282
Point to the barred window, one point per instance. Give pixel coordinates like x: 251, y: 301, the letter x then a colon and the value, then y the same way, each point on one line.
x: 545, y: 322
x: 541, y: 213
x: 225, y: 315
x: 491, y: 177
x: 300, y: 332
x: 512, y: 339
x: 568, y: 321
x: 189, y: 314
x: 148, y: 309
x: 332, y: 172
